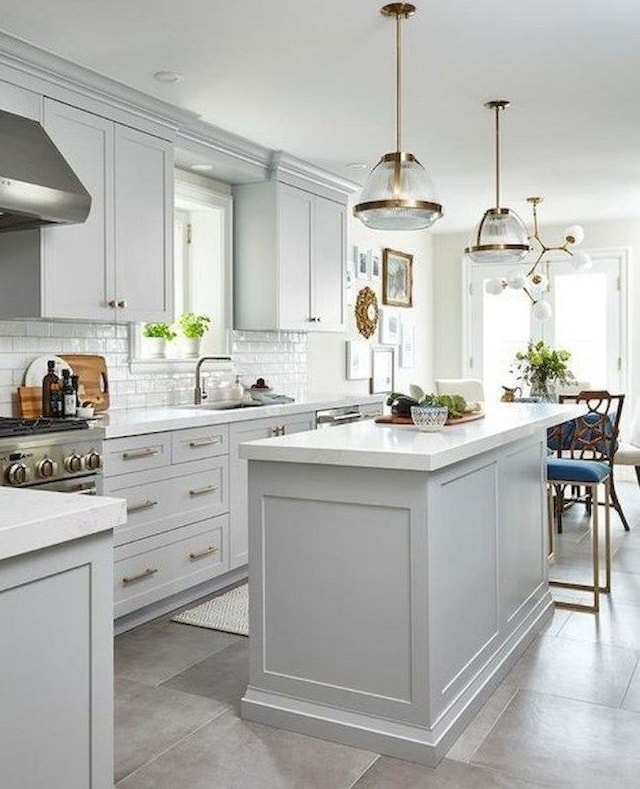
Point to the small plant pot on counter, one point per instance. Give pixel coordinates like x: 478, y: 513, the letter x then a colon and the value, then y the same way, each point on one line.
x: 190, y: 347
x: 154, y: 347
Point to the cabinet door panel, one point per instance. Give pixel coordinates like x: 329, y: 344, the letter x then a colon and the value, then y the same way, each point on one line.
x: 294, y: 224
x: 327, y: 267
x: 78, y: 278
x: 144, y: 228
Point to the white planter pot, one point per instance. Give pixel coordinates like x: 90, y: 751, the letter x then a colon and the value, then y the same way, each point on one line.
x: 190, y: 347
x: 154, y: 347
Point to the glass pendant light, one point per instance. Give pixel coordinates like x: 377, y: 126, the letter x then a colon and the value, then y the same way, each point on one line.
x: 501, y: 236
x: 398, y: 194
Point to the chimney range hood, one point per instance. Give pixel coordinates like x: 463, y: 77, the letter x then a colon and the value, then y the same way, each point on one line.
x: 37, y: 186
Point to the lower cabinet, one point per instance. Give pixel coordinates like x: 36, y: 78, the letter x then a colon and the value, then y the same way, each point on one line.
x: 186, y: 494
x: 238, y: 434
x: 56, y: 667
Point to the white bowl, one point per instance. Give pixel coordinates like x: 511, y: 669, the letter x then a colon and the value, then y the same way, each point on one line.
x: 429, y: 418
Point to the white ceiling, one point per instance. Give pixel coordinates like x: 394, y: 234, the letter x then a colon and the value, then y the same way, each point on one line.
x: 315, y: 78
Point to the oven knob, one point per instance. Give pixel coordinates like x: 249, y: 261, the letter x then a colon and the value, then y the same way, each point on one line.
x: 93, y: 460
x: 73, y: 463
x: 46, y: 468
x: 18, y: 474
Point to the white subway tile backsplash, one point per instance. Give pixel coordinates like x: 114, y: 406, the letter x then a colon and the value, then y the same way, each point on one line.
x: 280, y: 357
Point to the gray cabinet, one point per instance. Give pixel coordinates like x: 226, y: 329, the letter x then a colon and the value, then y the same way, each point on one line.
x: 290, y: 251
x: 118, y: 264
x: 252, y: 431
x: 56, y: 667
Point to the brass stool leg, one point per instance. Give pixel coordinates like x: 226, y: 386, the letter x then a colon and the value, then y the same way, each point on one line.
x: 595, y: 588
x: 550, y: 522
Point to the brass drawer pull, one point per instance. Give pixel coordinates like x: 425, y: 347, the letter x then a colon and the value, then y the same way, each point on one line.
x: 83, y: 487
x: 132, y: 579
x: 143, y: 505
x: 204, y: 442
x: 202, y: 491
x: 140, y: 453
x: 207, y: 552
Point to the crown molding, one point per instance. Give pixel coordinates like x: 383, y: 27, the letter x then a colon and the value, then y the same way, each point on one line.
x: 226, y: 144
x: 284, y: 167
x: 48, y: 68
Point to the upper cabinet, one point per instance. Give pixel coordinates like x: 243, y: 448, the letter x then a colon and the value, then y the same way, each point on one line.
x: 117, y: 265
x: 289, y: 258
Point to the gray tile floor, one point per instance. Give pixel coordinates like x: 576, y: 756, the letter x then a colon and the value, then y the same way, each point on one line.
x: 567, y: 715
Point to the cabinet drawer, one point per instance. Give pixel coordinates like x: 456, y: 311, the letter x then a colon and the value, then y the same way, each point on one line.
x: 149, y: 570
x: 191, y: 493
x: 199, y: 442
x: 136, y: 453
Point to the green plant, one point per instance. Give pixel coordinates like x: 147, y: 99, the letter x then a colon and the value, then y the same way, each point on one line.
x: 455, y: 404
x: 161, y: 330
x: 193, y: 326
x: 540, y: 365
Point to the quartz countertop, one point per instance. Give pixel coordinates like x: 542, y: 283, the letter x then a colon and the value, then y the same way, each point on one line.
x: 404, y: 447
x: 31, y: 520
x: 139, y: 421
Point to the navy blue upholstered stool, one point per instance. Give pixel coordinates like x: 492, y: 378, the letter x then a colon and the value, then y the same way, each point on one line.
x: 589, y: 474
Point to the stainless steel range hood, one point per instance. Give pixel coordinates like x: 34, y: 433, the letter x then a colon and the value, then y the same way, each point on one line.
x: 37, y: 186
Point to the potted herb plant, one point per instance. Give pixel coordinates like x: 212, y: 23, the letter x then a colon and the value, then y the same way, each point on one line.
x: 192, y: 328
x: 156, y: 336
x: 542, y: 368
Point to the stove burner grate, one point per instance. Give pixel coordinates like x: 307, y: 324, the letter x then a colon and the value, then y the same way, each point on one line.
x: 10, y: 426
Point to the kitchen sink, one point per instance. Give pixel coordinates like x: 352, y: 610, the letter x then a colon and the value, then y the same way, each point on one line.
x: 223, y: 405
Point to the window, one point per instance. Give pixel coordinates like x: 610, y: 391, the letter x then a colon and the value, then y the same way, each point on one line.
x: 589, y: 319
x: 202, y: 261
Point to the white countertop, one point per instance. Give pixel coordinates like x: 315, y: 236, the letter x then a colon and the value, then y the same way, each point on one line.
x: 31, y: 520
x: 404, y: 446
x: 139, y: 421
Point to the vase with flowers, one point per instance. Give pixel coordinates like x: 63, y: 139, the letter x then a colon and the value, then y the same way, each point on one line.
x: 542, y: 367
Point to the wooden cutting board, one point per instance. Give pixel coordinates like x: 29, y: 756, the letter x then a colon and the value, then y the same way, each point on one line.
x: 406, y: 420
x: 93, y: 377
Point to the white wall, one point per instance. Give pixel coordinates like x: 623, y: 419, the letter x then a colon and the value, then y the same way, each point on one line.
x: 447, y: 272
x: 326, y: 353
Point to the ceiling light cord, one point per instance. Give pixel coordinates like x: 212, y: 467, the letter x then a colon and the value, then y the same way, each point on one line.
x: 399, y: 83
x: 498, y: 108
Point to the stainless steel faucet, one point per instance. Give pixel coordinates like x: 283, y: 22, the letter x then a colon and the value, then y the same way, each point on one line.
x: 197, y: 393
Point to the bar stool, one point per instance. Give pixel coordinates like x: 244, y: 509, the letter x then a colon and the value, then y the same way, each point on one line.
x: 589, y: 474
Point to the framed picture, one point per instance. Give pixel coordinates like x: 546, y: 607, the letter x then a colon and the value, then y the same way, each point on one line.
x: 407, y: 342
x: 363, y: 270
x: 358, y: 360
x: 390, y: 326
x: 397, y: 278
x: 382, y: 379
x: 375, y: 263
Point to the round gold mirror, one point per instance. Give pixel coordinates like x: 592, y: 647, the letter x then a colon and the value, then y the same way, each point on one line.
x: 366, y: 312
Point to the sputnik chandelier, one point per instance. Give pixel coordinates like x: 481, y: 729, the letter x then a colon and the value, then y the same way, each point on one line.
x: 535, y: 282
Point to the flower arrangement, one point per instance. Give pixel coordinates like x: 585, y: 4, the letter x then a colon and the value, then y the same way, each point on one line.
x: 539, y: 366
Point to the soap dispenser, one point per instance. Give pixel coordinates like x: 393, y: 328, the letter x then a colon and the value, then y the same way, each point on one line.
x: 237, y: 390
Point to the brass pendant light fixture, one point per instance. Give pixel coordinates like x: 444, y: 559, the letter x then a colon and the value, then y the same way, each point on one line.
x: 398, y: 194
x: 501, y: 236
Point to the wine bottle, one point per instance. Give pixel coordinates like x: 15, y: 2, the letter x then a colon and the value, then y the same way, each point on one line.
x: 68, y: 395
x: 49, y: 379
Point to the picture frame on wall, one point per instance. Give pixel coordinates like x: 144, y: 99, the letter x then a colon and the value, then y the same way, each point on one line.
x: 362, y: 263
x: 390, y: 326
x: 397, y: 278
x: 382, y: 371
x: 358, y: 360
x: 375, y: 264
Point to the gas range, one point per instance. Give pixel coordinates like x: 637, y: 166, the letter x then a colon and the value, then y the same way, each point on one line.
x: 50, y: 454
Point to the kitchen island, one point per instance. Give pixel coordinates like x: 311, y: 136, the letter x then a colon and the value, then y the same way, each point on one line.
x: 56, y: 648
x: 395, y: 576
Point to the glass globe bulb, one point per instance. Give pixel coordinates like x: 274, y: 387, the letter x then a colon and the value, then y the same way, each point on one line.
x: 501, y: 237
x: 516, y: 280
x: 574, y: 234
x: 398, y: 195
x: 494, y: 286
x: 541, y: 311
x: 581, y: 261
